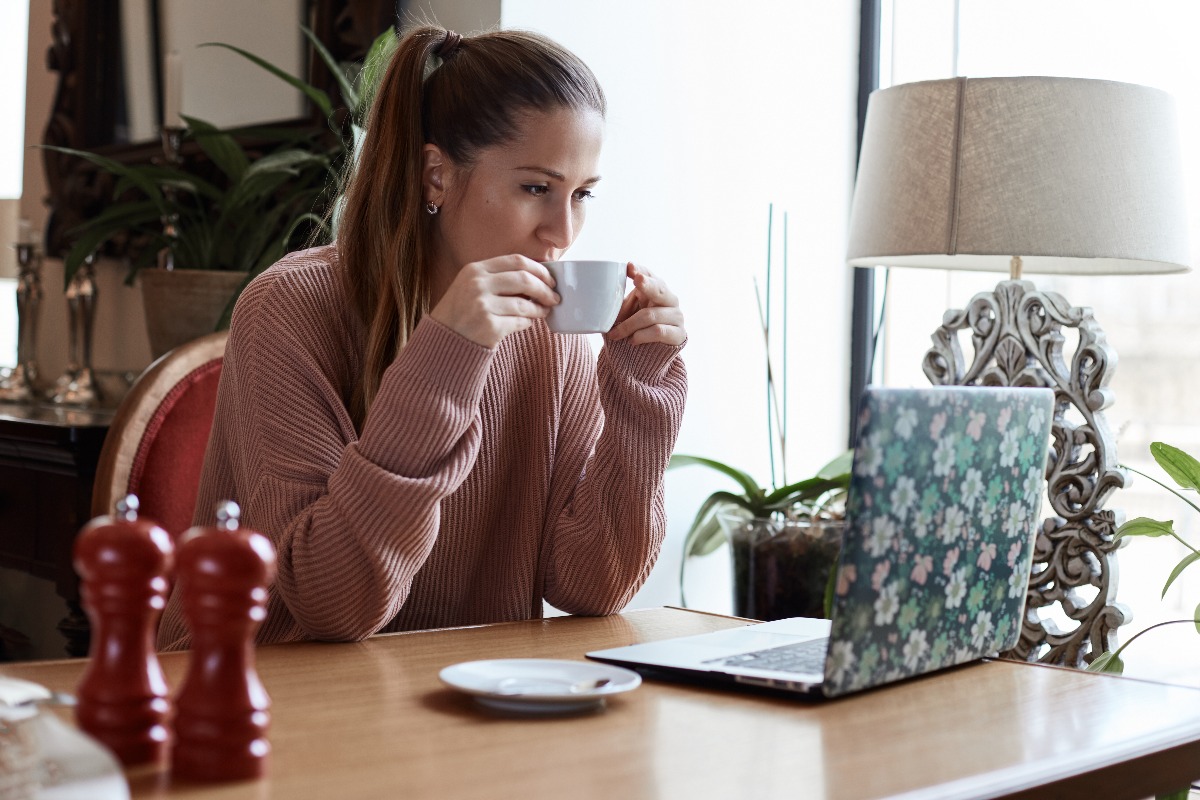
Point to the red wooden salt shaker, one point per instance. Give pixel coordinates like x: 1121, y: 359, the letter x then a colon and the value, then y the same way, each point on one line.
x: 124, y: 563
x: 222, y: 710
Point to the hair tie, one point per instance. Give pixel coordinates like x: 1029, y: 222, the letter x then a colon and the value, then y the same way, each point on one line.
x: 448, y: 46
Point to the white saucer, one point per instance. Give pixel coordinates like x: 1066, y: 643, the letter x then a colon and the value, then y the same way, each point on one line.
x: 538, y: 685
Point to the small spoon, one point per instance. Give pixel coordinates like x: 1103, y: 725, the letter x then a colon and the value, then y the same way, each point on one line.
x: 589, y: 686
x: 581, y: 687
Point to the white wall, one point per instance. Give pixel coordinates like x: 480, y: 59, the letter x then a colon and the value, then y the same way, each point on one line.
x: 462, y: 16
x: 711, y: 118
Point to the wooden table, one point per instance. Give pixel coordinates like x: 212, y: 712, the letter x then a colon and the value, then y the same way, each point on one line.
x: 371, y: 720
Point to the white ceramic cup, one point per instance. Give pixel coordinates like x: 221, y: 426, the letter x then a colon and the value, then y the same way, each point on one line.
x: 591, y: 293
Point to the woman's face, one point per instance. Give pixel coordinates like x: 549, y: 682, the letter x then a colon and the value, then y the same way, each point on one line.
x: 527, y: 197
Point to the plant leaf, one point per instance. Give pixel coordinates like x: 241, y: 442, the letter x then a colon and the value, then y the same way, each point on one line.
x: 830, y: 589
x: 287, y: 161
x: 347, y: 89
x: 708, y: 538
x: 319, y: 98
x: 801, y: 491
x: 838, y: 468
x: 748, y: 484
x: 1178, y: 794
x: 134, y: 174
x: 1144, y: 526
x: 93, y: 234
x: 1107, y: 661
x: 222, y: 148
x: 704, y: 536
x: 167, y: 177
x: 1183, y: 564
x: 1182, y: 468
x: 372, y: 71
x: 697, y: 541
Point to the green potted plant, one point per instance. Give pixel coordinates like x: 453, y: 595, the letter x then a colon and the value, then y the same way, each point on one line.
x: 262, y: 192
x: 783, y: 542
x: 1184, y: 470
x: 784, y: 539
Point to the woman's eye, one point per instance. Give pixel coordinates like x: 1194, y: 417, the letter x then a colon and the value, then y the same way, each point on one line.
x: 583, y: 194
x: 537, y: 190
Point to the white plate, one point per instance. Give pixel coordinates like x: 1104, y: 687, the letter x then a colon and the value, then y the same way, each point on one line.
x: 538, y: 685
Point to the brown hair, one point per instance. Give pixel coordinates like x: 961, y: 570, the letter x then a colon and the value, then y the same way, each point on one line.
x: 471, y: 100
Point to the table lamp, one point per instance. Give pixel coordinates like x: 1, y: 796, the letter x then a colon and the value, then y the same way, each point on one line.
x: 1032, y: 175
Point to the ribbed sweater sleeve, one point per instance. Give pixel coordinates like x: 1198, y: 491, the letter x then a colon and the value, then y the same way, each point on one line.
x: 378, y: 520
x: 607, y: 535
x: 352, y: 518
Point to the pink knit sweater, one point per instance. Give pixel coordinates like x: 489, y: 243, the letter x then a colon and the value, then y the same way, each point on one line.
x: 483, y: 480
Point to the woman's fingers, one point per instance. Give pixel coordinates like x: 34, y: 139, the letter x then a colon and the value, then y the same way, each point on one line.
x: 652, y: 288
x: 654, y: 324
x: 649, y: 313
x: 655, y: 317
x: 492, y: 298
x: 518, y: 282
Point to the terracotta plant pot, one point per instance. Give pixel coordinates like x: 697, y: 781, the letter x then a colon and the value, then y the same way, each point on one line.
x: 781, y: 568
x: 184, y: 304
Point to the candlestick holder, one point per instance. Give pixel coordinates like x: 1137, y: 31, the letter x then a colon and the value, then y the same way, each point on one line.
x: 172, y: 141
x: 18, y: 385
x: 77, y: 385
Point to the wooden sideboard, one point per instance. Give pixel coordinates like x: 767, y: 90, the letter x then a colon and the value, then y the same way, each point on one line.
x: 47, y: 464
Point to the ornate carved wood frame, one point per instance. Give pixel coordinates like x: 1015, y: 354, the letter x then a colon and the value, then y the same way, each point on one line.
x: 1017, y: 335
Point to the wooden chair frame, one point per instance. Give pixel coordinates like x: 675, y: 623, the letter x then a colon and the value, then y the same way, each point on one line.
x: 138, y: 409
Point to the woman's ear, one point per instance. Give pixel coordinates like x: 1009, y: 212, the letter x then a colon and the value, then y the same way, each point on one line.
x: 435, y: 171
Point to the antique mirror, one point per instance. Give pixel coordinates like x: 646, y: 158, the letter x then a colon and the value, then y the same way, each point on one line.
x: 111, y: 93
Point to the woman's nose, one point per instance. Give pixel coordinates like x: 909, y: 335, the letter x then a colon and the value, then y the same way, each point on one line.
x: 558, y: 228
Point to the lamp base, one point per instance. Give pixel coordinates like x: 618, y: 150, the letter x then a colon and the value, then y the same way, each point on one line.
x: 1016, y: 332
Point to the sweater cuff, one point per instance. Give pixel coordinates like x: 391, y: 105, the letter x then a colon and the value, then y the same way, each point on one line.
x: 646, y: 363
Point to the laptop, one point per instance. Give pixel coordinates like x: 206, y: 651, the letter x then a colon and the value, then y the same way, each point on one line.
x: 942, y: 511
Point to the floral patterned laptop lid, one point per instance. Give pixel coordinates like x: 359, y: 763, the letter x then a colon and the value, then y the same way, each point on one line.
x: 943, y: 508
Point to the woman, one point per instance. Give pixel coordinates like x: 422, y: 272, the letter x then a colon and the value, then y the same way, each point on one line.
x: 393, y: 411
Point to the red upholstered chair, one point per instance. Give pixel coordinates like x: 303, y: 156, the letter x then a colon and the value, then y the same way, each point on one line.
x: 155, y: 446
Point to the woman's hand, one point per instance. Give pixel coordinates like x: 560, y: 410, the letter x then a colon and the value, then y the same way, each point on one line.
x: 649, y: 313
x: 490, y: 299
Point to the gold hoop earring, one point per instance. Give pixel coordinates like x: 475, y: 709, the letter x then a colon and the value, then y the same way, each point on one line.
x: 431, y: 208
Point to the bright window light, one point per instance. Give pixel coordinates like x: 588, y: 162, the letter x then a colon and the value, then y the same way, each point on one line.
x: 14, y: 35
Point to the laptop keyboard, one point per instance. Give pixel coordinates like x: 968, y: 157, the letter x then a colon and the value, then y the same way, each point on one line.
x: 807, y: 656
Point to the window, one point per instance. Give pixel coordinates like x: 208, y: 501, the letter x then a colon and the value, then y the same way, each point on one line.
x: 14, y: 29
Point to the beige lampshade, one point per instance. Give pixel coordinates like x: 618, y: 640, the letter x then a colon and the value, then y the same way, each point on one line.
x: 1072, y: 175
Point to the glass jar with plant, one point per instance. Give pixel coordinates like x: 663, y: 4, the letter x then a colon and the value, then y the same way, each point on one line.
x: 783, y: 542
x: 784, y: 538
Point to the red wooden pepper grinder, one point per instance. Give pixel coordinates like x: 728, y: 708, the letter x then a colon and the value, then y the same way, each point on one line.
x: 222, y: 711
x: 124, y: 563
